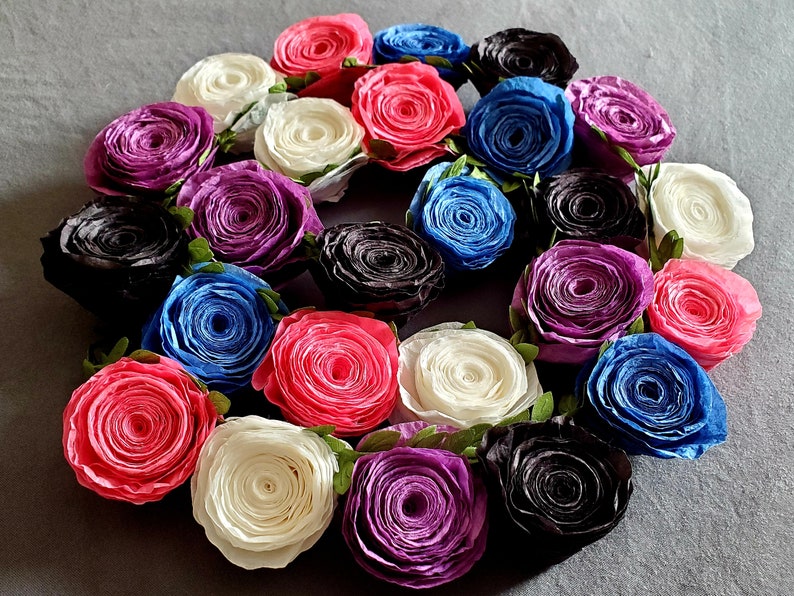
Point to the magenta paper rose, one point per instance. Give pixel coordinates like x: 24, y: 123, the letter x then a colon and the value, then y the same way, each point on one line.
x: 251, y: 217
x: 577, y: 295
x: 629, y: 118
x: 706, y: 309
x: 134, y: 430
x: 406, y: 111
x: 150, y: 149
x: 415, y: 517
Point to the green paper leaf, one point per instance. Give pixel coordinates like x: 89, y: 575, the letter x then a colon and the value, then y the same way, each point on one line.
x: 516, y: 324
x: 145, y: 357
x: 203, y: 157
x: 267, y: 296
x: 638, y: 326
x: 522, y: 416
x: 344, y: 476
x: 568, y: 405
x: 89, y: 369
x: 432, y: 442
x: 322, y: 430
x: 405, y: 59
x: 211, y: 268
x: 518, y: 337
x: 117, y: 351
x: 335, y: 444
x: 220, y: 401
x: 409, y: 219
x: 307, y: 179
x: 225, y: 139
x: 543, y: 408
x: 382, y: 149
x: 422, y: 434
x: 278, y: 88
x: 183, y: 216
x: 470, y: 453
x: 509, y: 186
x: 295, y: 83
x: 458, y: 441
x: 528, y: 351
x: 349, y: 62
x: 439, y: 62
x: 479, y: 174
x: 604, y: 347
x: 394, y: 331
x: 456, y: 169
x: 381, y: 440
x: 174, y: 188
x: 311, y: 77
x: 199, y: 250
x: 456, y: 144
x: 536, y: 180
x: 469, y: 325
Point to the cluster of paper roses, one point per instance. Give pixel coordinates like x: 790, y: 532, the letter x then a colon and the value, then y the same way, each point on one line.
x: 186, y: 243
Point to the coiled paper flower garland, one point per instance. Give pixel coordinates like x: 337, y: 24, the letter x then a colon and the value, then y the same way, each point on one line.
x: 624, y: 299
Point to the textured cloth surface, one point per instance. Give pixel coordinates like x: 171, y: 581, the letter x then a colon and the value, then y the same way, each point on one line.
x: 723, y: 70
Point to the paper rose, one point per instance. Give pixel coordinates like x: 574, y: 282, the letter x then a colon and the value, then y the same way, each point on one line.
x: 520, y: 52
x: 561, y: 485
x: 628, y: 116
x: 150, y: 149
x: 380, y: 267
x: 320, y: 44
x: 132, y: 432
x: 468, y: 220
x: 225, y: 85
x: 706, y: 309
x: 406, y: 111
x: 337, y: 85
x: 707, y: 210
x: 331, y: 367
x: 524, y: 125
x: 462, y: 377
x: 415, y: 517
x: 216, y: 325
x: 577, y: 295
x: 589, y: 204
x: 263, y: 491
x: 312, y: 139
x: 427, y: 43
x: 117, y: 256
x: 650, y: 397
x: 251, y: 217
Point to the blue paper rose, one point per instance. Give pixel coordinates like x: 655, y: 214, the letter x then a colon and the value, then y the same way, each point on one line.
x: 422, y: 42
x: 217, y: 325
x: 524, y: 125
x: 652, y: 398
x: 468, y: 220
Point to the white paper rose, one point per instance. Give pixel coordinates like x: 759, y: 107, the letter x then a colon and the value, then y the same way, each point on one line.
x: 313, y: 139
x: 462, y: 377
x: 263, y: 490
x: 225, y: 85
x: 707, y: 210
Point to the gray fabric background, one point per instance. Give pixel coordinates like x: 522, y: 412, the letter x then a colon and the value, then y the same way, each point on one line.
x: 723, y: 70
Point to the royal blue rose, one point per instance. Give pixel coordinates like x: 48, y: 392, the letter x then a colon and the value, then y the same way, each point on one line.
x: 651, y: 398
x: 524, y: 125
x: 420, y: 41
x: 217, y: 325
x: 468, y: 220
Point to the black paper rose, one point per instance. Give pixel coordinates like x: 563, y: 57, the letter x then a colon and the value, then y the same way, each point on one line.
x: 379, y: 267
x: 589, y: 204
x: 561, y: 485
x: 117, y: 256
x: 520, y: 52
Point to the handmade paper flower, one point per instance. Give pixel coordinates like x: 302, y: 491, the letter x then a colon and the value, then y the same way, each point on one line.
x: 380, y: 267
x: 250, y: 217
x: 263, y: 491
x: 117, y: 256
x: 629, y: 118
x: 707, y: 210
x: 150, y: 149
x: 415, y: 517
x: 406, y: 111
x: 337, y: 85
x: 561, y: 485
x: 313, y: 139
x: 462, y: 377
x: 225, y: 85
x: 650, y: 397
x: 524, y: 125
x: 320, y: 44
x: 520, y: 52
x: 216, y: 325
x: 331, y: 367
x: 468, y: 220
x: 427, y: 43
x: 577, y: 295
x: 133, y: 431
x: 706, y: 309
x: 588, y: 204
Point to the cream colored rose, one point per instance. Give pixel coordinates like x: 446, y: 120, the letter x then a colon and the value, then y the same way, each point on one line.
x: 707, y: 210
x: 225, y: 85
x: 306, y: 136
x: 462, y: 377
x: 263, y: 490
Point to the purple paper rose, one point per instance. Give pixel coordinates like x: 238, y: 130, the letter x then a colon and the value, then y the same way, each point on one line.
x: 150, y: 149
x: 577, y: 295
x: 629, y: 117
x: 415, y: 517
x: 251, y: 217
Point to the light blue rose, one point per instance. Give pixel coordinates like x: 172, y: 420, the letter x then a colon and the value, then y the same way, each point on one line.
x: 651, y: 398
x: 524, y: 125
x: 468, y: 220
x: 216, y: 325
